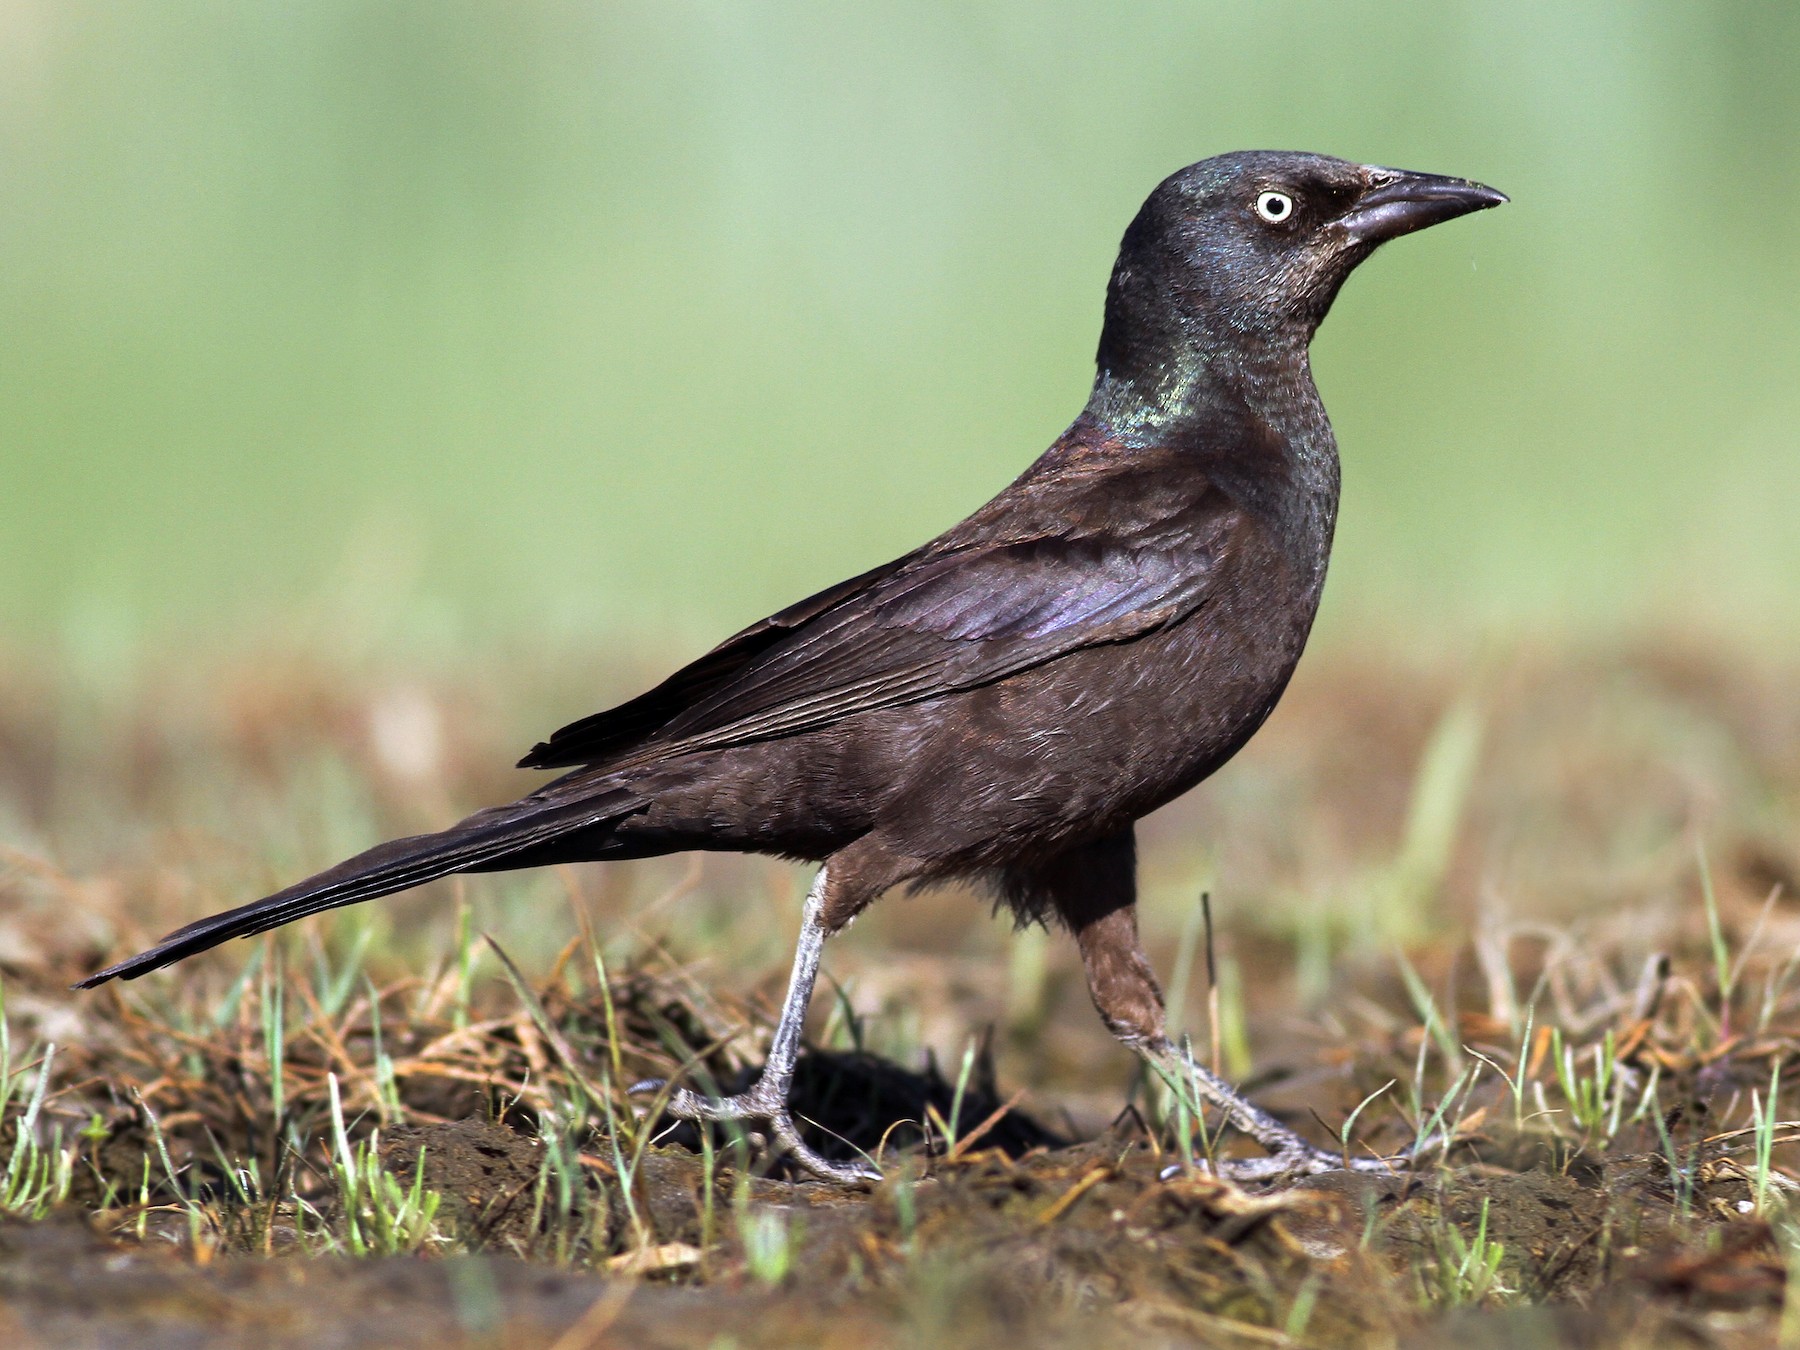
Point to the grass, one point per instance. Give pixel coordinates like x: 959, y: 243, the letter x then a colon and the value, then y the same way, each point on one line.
x: 38, y: 1176
x: 382, y: 1215
x: 1597, y: 1088
x: 1468, y: 1267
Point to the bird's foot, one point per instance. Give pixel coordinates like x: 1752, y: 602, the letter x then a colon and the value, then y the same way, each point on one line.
x: 763, y: 1106
x: 1299, y: 1159
x: 1289, y: 1155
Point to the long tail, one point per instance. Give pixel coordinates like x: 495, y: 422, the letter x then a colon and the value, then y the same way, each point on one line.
x: 488, y: 840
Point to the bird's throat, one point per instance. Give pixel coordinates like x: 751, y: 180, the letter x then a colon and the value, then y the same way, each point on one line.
x: 1250, y: 414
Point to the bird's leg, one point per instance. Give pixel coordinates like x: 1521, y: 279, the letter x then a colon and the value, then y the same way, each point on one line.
x: 1289, y: 1153
x: 1096, y: 896
x: 767, y: 1102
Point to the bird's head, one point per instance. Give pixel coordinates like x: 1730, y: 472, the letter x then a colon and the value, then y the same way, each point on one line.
x: 1246, y: 251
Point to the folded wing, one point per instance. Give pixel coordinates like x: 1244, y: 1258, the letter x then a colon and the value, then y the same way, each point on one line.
x: 946, y: 618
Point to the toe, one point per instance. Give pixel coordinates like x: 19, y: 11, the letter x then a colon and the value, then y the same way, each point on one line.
x: 687, y: 1105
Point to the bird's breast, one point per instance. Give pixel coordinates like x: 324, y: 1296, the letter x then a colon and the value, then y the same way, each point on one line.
x: 1084, y: 744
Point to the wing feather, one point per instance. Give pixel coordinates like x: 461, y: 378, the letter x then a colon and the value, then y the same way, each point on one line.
x: 959, y: 613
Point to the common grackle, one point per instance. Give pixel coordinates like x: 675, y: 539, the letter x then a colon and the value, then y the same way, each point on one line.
x: 1002, y: 703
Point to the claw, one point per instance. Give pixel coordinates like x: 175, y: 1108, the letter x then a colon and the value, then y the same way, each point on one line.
x: 766, y: 1102
x: 1289, y: 1154
x: 1303, y: 1162
x: 761, y: 1107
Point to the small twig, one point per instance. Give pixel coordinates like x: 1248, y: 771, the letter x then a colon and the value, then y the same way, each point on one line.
x: 1064, y: 1202
x: 1649, y: 995
x: 546, y: 1028
x: 999, y: 1114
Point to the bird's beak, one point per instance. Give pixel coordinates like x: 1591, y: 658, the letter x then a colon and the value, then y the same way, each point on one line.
x: 1398, y: 203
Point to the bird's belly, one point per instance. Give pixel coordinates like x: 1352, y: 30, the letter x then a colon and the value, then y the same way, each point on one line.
x: 1078, y: 748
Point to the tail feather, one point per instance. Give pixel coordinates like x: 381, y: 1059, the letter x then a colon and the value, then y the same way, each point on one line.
x: 485, y: 840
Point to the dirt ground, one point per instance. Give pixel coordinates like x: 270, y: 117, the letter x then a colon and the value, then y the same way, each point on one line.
x: 1080, y: 1245
x: 1542, y: 908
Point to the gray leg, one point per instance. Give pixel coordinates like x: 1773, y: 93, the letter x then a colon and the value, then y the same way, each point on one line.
x: 1093, y: 888
x: 766, y: 1103
x: 1289, y: 1154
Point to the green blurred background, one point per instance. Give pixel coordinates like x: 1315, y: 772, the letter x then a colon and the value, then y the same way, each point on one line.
x: 442, y: 323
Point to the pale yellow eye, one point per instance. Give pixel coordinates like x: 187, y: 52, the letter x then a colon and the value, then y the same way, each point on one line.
x: 1274, y: 207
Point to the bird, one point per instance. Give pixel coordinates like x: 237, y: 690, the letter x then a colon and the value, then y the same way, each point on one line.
x: 1001, y: 705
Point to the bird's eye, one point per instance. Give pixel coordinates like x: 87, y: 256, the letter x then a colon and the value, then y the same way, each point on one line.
x: 1274, y: 207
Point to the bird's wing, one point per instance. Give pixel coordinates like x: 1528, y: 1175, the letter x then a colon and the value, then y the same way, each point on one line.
x: 952, y: 616
x: 618, y: 729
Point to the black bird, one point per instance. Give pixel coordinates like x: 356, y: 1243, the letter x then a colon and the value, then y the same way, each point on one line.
x: 1004, y: 702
